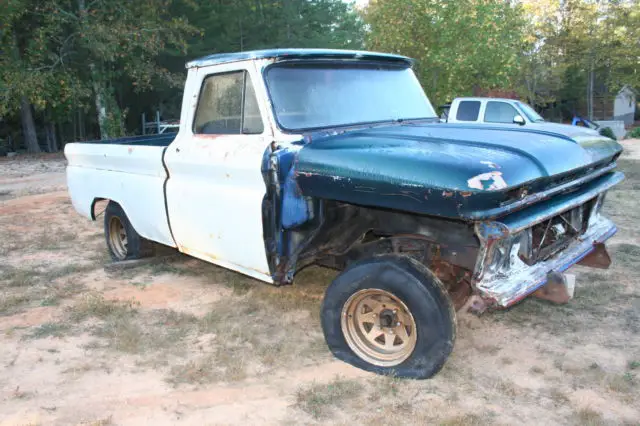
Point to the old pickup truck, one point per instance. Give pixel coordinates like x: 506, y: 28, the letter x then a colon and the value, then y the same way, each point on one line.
x: 286, y: 158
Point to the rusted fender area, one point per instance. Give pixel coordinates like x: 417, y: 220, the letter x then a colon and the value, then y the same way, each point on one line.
x: 447, y: 170
x: 514, y: 262
x: 510, y: 286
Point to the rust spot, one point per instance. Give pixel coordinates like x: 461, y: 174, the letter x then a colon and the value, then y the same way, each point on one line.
x: 447, y: 194
x: 130, y: 150
x: 208, y: 137
x: 466, y: 194
x: 598, y: 258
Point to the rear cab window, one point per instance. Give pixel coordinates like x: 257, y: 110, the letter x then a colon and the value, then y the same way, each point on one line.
x: 468, y: 111
x: 227, y: 105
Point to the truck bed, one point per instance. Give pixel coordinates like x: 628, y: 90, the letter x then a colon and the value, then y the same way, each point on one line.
x: 164, y: 139
x: 129, y: 171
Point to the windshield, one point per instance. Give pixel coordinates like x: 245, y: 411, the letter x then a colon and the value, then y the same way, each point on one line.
x: 316, y: 96
x: 531, y: 113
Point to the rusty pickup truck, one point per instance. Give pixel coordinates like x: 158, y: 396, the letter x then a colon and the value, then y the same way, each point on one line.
x: 290, y: 157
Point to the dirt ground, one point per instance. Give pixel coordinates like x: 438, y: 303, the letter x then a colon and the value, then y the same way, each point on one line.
x: 185, y: 342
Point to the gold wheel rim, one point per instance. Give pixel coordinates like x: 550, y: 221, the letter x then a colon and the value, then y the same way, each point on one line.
x: 118, y: 238
x: 379, y: 327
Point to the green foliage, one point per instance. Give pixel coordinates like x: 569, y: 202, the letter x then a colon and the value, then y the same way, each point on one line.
x: 570, y: 42
x: 634, y: 133
x: 606, y: 131
x: 70, y: 58
x: 459, y: 46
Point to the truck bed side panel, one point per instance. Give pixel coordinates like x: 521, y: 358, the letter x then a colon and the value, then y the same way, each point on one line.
x: 132, y: 176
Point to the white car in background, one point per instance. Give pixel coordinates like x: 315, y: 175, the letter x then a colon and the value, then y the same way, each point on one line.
x: 503, y: 112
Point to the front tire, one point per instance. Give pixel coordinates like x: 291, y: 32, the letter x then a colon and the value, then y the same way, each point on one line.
x: 123, y: 242
x: 389, y: 315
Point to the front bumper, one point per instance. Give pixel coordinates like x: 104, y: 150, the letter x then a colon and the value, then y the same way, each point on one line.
x: 522, y: 279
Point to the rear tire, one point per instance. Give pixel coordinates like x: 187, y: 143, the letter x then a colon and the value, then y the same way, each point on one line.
x: 123, y: 242
x: 389, y: 315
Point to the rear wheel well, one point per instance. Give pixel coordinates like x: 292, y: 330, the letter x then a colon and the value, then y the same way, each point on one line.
x: 94, y: 204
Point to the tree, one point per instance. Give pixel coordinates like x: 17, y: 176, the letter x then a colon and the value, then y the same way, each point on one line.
x: 17, y: 90
x: 576, y: 48
x: 257, y: 24
x: 459, y: 46
x: 100, y: 42
x: 83, y: 67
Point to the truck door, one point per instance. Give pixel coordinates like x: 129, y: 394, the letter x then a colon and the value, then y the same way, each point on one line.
x: 215, y: 187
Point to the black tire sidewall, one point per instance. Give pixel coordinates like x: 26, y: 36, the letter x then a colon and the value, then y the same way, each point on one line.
x: 134, y: 241
x: 421, y: 292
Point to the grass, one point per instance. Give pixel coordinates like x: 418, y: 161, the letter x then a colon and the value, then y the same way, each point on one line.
x: 106, y: 421
x: 536, y: 370
x: 57, y: 293
x: 12, y: 303
x: 94, y: 305
x: 256, y: 330
x: 19, y: 277
x: 622, y: 383
x: 29, y: 276
x: 220, y: 366
x: 600, y: 300
x: 21, y: 287
x: 631, y: 170
x: 48, y: 329
x: 193, y: 372
x: 55, y: 240
x: 464, y: 420
x: 558, y: 397
x: 320, y: 400
x: 588, y: 417
x: 147, y: 333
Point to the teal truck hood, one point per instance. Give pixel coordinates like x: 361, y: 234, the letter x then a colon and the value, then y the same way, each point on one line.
x: 449, y: 170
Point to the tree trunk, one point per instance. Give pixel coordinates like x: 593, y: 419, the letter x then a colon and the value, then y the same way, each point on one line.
x: 52, y: 142
x: 28, y: 126
x: 101, y: 109
x: 98, y: 86
x: 591, y: 81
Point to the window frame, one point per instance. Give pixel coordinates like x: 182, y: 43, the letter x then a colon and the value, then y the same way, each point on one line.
x: 241, y: 131
x: 469, y: 101
x: 515, y: 110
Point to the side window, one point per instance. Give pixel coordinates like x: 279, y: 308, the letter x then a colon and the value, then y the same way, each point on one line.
x: 227, y: 105
x: 468, y: 111
x: 499, y: 112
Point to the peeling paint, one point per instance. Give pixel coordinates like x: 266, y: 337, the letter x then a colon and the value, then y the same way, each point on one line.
x: 491, y: 181
x: 491, y: 164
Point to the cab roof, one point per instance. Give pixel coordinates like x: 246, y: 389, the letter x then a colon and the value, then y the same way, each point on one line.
x: 292, y: 54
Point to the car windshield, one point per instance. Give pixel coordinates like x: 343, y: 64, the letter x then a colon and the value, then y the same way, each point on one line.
x: 318, y: 96
x: 531, y: 113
